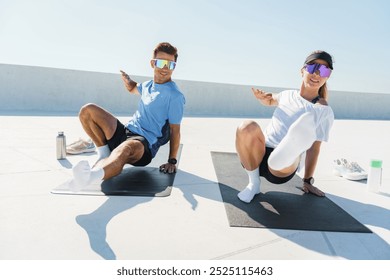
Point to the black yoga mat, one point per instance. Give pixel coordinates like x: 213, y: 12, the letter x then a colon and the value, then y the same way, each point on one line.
x: 133, y: 181
x: 283, y: 206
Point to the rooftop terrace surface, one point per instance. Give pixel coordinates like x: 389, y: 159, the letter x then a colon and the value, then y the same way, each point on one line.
x: 191, y: 223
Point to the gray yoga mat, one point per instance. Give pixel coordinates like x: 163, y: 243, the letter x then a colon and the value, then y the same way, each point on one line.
x: 283, y: 206
x: 133, y: 181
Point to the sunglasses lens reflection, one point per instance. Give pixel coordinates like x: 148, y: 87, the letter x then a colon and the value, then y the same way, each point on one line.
x: 322, y: 69
x: 310, y: 68
x: 161, y: 63
x: 325, y: 71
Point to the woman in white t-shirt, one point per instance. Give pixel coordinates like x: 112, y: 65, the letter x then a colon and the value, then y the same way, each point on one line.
x: 301, y: 121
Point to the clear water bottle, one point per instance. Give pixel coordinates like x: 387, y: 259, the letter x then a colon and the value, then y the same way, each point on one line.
x: 374, y: 180
x: 61, y: 145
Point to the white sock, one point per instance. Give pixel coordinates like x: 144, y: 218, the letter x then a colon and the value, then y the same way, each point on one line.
x: 252, y: 188
x: 103, y: 152
x: 300, y: 136
x: 83, y: 174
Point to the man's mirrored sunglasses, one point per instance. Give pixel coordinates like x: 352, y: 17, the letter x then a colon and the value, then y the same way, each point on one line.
x: 161, y: 63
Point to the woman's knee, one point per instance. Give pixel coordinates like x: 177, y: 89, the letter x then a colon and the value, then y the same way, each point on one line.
x: 248, y: 128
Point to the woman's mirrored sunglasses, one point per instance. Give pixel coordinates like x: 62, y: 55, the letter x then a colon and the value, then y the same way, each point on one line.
x: 161, y: 63
x: 323, y: 71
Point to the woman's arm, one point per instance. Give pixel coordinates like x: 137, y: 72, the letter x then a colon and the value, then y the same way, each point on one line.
x: 265, y: 98
x: 310, y: 166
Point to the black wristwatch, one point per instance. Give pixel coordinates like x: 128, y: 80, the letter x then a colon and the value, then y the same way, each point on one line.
x: 172, y: 161
x: 309, y: 180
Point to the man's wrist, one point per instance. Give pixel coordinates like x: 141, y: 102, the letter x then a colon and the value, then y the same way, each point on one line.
x: 131, y: 85
x: 172, y: 161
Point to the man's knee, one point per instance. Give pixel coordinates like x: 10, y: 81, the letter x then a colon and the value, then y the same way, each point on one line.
x: 130, y: 150
x: 86, y: 110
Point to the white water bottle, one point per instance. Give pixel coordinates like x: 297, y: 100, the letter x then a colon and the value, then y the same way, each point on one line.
x: 374, y: 180
x: 61, y: 145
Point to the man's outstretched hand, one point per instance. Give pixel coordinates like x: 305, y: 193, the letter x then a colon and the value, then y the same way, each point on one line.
x: 129, y: 83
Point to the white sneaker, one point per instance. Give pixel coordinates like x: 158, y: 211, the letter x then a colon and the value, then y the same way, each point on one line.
x: 349, y: 170
x: 80, y: 146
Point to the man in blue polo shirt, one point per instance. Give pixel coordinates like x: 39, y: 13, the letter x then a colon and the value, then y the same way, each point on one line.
x: 156, y: 121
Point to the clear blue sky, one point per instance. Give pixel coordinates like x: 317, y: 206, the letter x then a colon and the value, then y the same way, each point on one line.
x: 261, y: 43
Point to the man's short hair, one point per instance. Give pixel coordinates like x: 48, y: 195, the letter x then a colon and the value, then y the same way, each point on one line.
x: 167, y: 48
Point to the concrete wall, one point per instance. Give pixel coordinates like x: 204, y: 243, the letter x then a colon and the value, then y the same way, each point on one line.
x: 39, y: 90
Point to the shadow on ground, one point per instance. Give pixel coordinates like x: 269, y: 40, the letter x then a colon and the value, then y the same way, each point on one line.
x: 95, y: 223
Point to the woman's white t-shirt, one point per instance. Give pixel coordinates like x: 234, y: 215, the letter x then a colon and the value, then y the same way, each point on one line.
x: 291, y: 105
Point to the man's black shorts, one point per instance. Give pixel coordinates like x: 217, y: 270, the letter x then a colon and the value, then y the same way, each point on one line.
x: 122, y: 134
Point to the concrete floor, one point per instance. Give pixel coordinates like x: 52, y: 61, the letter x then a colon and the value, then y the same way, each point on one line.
x: 191, y: 223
